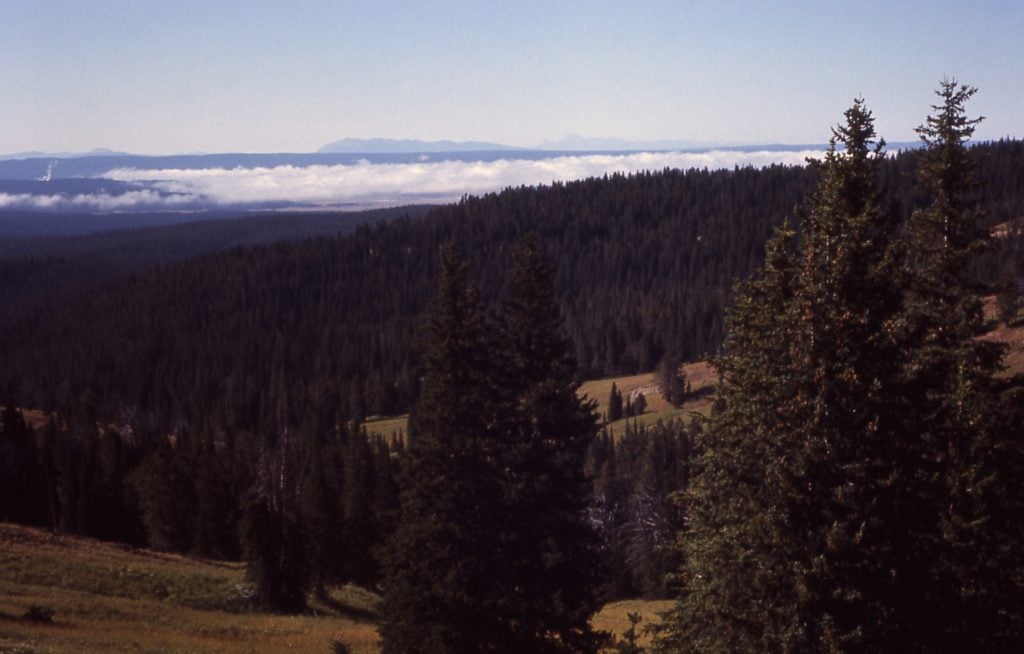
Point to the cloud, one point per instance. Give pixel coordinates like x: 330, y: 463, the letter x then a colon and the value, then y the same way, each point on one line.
x: 128, y: 201
x: 382, y: 183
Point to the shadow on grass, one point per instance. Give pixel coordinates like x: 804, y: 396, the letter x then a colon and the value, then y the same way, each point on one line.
x: 345, y: 610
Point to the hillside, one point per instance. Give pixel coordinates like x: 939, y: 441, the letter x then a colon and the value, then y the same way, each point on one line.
x: 644, y: 264
x: 104, y: 597
x: 112, y: 598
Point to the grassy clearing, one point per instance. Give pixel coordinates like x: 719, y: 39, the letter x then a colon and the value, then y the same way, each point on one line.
x: 110, y: 598
x: 388, y: 428
x: 613, y: 617
x: 702, y: 385
x: 700, y: 375
x: 1011, y: 333
x: 106, y: 597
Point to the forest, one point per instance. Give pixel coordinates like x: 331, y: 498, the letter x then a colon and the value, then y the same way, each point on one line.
x: 644, y: 265
x: 862, y: 449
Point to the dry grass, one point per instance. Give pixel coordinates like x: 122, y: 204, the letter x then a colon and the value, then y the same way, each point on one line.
x: 388, y: 428
x: 700, y: 376
x: 1011, y: 333
x: 110, y: 598
x: 613, y: 617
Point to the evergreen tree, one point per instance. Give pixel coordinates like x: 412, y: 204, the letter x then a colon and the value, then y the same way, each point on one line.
x: 275, y: 543
x: 952, y: 379
x: 165, y: 491
x: 639, y: 405
x: 801, y: 488
x: 443, y: 585
x: 615, y: 408
x: 671, y: 379
x: 552, y: 554
x: 22, y: 485
x: 494, y: 550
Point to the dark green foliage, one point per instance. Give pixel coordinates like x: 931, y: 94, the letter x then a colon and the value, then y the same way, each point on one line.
x: 552, y: 561
x: 615, y: 408
x: 671, y: 379
x: 166, y: 491
x: 442, y: 589
x: 494, y: 550
x: 276, y: 548
x: 962, y: 410
x: 787, y: 548
x: 635, y: 477
x: 644, y: 263
x: 1008, y: 298
x: 853, y: 492
x: 22, y: 487
x: 636, y: 405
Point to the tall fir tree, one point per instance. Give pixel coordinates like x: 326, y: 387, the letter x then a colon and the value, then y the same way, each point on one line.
x: 615, y: 408
x: 553, y: 558
x: 802, y: 483
x: 443, y: 587
x: 974, y: 438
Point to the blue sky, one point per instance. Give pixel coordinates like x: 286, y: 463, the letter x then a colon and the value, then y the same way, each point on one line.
x: 218, y: 76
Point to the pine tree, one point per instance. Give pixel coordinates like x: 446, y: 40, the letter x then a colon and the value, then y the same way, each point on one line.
x: 952, y: 379
x: 553, y: 557
x: 671, y: 379
x: 792, y: 544
x: 22, y: 486
x: 274, y: 538
x: 443, y: 586
x: 615, y: 408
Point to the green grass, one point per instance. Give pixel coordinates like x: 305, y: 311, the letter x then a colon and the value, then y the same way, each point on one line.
x: 112, y: 598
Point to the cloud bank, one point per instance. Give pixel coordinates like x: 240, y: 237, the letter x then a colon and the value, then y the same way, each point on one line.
x: 146, y: 199
x: 372, y: 184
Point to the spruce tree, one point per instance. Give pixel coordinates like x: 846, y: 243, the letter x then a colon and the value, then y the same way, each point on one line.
x: 971, y: 430
x: 443, y: 583
x: 671, y: 379
x: 552, y: 548
x: 800, y: 486
x: 615, y: 408
x: 276, y: 545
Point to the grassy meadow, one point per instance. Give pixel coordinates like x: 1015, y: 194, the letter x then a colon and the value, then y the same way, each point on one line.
x: 92, y: 596
x: 106, y: 597
x: 700, y: 375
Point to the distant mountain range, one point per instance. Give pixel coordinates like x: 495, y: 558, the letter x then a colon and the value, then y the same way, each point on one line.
x: 397, y: 150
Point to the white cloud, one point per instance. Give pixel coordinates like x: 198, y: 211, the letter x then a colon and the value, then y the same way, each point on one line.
x: 379, y: 183
x: 131, y: 200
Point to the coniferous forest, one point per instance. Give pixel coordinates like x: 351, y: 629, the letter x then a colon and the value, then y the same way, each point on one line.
x: 855, y: 487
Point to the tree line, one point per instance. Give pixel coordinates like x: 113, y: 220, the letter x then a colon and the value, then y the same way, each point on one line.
x: 858, y: 488
x: 863, y: 454
x: 643, y: 269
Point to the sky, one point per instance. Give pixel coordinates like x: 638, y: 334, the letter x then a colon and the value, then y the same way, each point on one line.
x: 159, y: 77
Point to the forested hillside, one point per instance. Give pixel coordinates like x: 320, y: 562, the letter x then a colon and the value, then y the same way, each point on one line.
x: 644, y: 264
